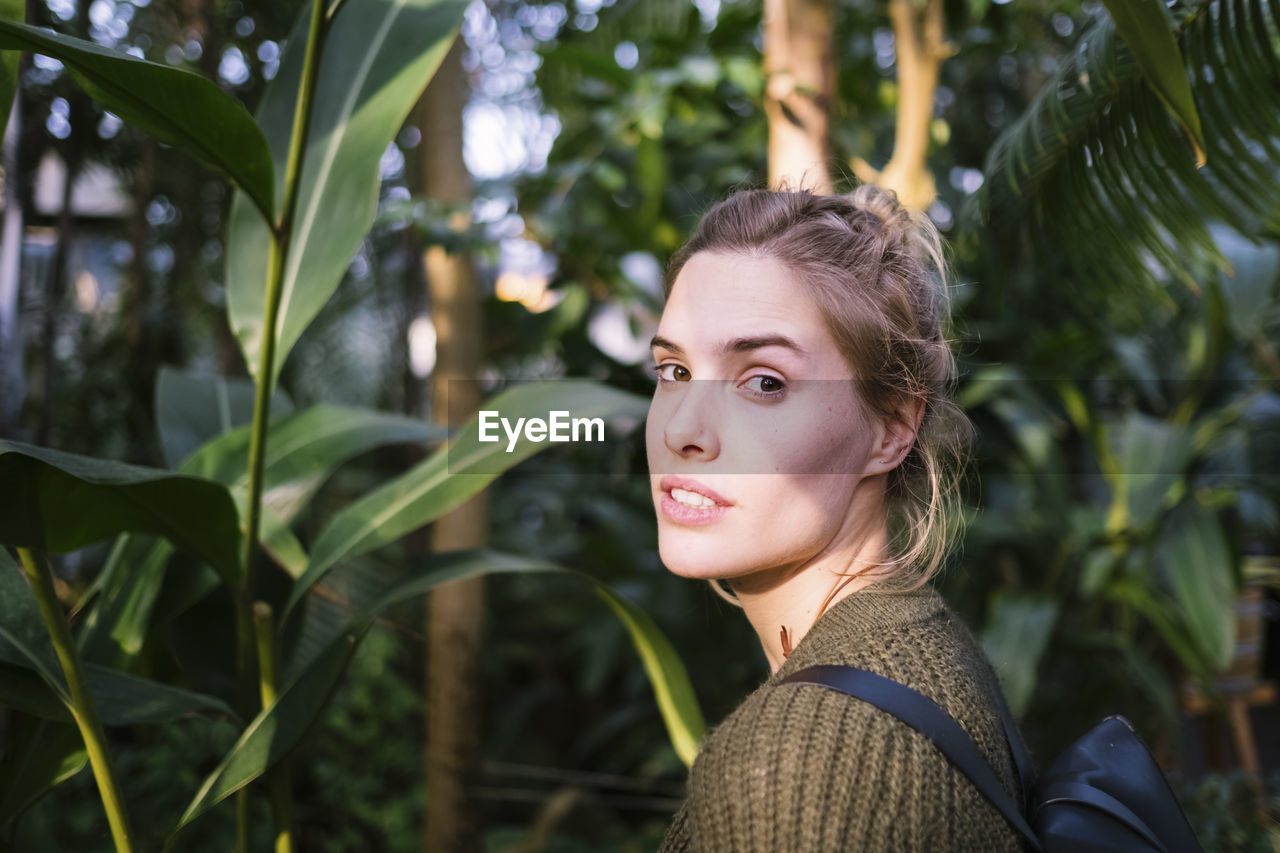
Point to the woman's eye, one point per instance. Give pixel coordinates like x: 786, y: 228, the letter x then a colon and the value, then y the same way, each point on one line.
x: 765, y: 386
x: 673, y: 373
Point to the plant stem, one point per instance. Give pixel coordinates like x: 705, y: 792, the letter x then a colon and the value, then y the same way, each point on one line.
x: 244, y: 822
x: 276, y: 264
x: 302, y: 115
x: 266, y: 652
x: 278, y: 781
x: 81, y: 704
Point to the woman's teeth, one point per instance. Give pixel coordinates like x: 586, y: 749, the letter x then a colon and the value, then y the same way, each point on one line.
x: 691, y: 498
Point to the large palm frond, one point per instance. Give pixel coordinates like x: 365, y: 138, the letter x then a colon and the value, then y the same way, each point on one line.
x: 1104, y: 177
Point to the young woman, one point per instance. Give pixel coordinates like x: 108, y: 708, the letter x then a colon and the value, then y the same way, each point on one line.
x: 801, y: 448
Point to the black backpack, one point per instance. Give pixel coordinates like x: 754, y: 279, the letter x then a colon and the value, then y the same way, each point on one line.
x: 1104, y: 794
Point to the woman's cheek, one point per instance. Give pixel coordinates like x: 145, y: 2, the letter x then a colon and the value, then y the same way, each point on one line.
x: 654, y: 426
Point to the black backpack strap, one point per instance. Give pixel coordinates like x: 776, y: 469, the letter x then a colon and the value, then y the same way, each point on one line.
x: 925, y: 716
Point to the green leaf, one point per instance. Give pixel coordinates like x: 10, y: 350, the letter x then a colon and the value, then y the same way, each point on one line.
x: 23, y: 640
x: 746, y: 73
x: 176, y: 107
x: 978, y: 9
x: 355, y: 586
x: 182, y: 590
x: 121, y: 699
x: 1150, y: 678
x: 1249, y: 287
x: 59, y: 502
x: 1053, y: 172
x: 282, y: 546
x: 1159, y: 610
x: 279, y: 727
x: 23, y: 689
x: 193, y: 409
x: 275, y: 731
x: 44, y: 754
x: 378, y: 57
x: 1144, y: 26
x: 1096, y: 569
x: 454, y: 473
x: 303, y: 451
x: 1017, y: 632
x: 588, y: 63
x: 113, y: 630
x: 1195, y: 551
x: 130, y: 700
x: 676, y: 699
x: 1153, y: 456
x: 1031, y: 430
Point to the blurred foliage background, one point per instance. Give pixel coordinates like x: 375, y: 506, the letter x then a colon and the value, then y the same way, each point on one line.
x: 1122, y: 376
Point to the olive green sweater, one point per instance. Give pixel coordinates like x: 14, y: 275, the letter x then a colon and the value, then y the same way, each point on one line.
x: 804, y: 768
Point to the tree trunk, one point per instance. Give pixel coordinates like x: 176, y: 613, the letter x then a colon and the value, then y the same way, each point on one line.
x: 800, y: 71
x: 138, y: 330
x: 12, y: 383
x: 72, y: 155
x: 55, y: 289
x: 918, y: 42
x: 455, y: 611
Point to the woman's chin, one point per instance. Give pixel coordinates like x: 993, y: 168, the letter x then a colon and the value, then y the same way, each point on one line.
x: 691, y: 570
x: 701, y: 563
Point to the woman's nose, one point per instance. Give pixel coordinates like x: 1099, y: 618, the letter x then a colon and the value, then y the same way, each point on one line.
x: 691, y: 429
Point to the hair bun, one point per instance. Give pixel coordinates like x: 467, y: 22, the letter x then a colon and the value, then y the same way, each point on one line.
x: 883, y: 203
x: 903, y: 229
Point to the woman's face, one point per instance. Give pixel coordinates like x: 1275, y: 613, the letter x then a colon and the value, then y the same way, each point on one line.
x: 761, y: 457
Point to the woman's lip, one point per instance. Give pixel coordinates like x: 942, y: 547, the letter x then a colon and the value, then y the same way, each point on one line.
x: 671, y: 481
x: 680, y: 513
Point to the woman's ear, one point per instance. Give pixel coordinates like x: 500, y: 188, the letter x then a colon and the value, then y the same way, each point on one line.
x: 897, y: 437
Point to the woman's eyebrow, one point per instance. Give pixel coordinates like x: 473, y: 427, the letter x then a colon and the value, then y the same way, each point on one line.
x: 738, y: 345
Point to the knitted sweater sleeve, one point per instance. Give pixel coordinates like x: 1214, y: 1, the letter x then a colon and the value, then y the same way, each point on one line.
x: 802, y: 768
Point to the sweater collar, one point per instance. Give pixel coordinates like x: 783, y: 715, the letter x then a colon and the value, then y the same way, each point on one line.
x: 869, y: 610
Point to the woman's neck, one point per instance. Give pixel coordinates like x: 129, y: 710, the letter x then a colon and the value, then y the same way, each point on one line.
x: 783, y: 604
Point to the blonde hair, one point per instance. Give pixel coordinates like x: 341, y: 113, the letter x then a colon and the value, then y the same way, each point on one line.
x: 878, y: 275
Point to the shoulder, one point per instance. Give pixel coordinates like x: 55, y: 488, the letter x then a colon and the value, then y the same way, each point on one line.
x: 927, y: 647
x: 798, y: 767
x: 801, y: 767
